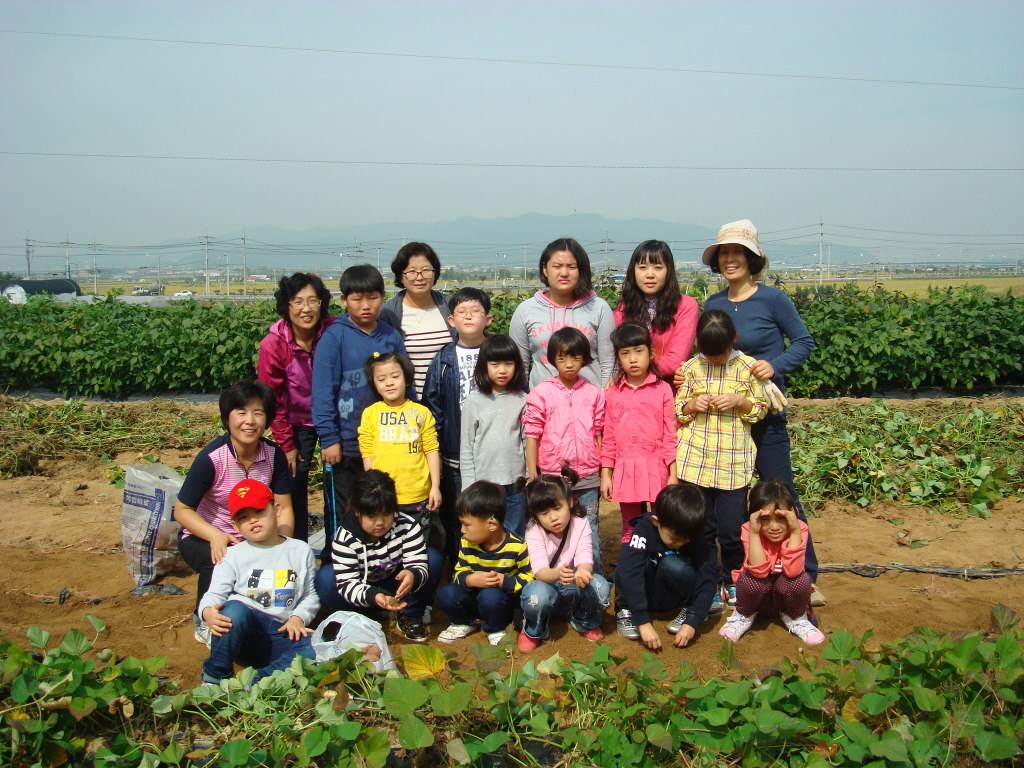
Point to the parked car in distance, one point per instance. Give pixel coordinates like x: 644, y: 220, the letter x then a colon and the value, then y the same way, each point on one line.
x: 183, y: 294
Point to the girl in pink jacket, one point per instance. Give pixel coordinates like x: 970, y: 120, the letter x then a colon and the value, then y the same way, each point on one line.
x: 773, y: 580
x: 563, y: 421
x: 650, y: 295
x: 638, y: 455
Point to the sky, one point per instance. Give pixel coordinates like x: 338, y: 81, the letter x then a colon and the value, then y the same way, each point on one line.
x: 411, y: 97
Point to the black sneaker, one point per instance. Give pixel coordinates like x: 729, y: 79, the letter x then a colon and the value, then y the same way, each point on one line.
x: 412, y: 628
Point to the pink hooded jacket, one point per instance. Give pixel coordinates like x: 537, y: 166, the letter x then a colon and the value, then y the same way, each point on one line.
x: 674, y: 345
x: 567, y: 424
x: 639, y: 438
x: 288, y: 369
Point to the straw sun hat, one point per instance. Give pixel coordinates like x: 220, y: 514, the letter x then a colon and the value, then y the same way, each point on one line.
x: 743, y: 232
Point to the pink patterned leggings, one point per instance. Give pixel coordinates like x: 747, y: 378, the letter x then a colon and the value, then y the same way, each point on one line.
x: 773, y: 595
x: 629, y: 510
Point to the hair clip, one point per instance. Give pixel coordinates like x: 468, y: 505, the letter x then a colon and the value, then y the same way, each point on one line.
x: 376, y: 355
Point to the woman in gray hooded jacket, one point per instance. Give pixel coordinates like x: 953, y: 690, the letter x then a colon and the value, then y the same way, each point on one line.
x: 568, y: 300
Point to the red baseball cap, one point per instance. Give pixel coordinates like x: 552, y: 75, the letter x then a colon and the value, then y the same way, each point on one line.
x: 249, y: 494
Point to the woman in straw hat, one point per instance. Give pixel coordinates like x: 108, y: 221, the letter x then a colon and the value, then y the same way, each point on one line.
x: 764, y: 318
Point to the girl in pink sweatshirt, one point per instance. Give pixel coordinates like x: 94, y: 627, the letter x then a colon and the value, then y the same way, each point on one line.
x: 563, y: 421
x: 772, y: 579
x: 638, y: 450
x: 561, y: 556
x: 651, y: 295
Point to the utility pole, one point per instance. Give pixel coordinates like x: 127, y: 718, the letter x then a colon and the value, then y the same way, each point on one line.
x: 28, y: 257
x: 67, y: 256
x: 207, y: 238
x: 95, y: 290
x: 819, y: 251
x: 606, y: 254
x: 378, y: 258
x: 355, y: 256
x: 524, y: 266
x: 227, y: 268
x: 245, y: 267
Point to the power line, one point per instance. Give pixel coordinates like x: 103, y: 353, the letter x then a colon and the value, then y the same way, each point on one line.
x: 531, y: 62
x: 562, y: 166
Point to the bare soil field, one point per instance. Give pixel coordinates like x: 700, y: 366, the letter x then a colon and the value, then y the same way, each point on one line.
x: 60, y: 533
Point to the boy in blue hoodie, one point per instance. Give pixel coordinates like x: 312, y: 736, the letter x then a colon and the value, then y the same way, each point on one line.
x: 449, y: 382
x: 340, y: 389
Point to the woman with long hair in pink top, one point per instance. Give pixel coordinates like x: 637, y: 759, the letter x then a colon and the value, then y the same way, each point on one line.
x: 651, y: 296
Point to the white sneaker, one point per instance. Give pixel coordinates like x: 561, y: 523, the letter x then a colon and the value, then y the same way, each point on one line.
x: 736, y: 626
x: 427, y: 615
x: 203, y: 634
x: 457, y: 632
x: 802, y: 628
x: 495, y: 638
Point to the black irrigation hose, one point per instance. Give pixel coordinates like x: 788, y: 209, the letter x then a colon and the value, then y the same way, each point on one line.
x: 871, y: 570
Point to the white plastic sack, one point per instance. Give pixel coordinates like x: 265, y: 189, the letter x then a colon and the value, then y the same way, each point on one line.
x: 354, y: 631
x: 148, y: 534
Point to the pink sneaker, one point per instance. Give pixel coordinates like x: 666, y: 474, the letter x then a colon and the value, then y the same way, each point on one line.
x: 593, y: 635
x: 736, y: 626
x: 802, y: 628
x: 527, y: 643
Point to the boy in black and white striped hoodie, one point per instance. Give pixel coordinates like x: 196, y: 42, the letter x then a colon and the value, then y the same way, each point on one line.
x: 379, y: 559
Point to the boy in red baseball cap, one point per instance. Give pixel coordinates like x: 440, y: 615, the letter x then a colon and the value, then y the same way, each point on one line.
x: 261, y: 598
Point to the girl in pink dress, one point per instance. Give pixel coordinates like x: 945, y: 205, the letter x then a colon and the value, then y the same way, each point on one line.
x: 638, y: 453
x: 651, y: 296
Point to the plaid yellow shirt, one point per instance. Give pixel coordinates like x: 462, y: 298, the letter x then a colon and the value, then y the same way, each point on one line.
x: 715, y: 449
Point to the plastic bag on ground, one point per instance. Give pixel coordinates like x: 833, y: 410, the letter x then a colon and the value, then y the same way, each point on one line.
x: 353, y: 631
x: 148, y: 534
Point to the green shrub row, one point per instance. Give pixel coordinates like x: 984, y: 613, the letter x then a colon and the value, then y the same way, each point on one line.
x: 866, y: 339
x: 923, y: 700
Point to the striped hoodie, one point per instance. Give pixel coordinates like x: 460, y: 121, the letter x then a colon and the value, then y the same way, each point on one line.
x: 360, y: 562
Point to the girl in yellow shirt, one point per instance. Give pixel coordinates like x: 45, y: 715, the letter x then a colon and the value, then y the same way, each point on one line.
x: 399, y: 437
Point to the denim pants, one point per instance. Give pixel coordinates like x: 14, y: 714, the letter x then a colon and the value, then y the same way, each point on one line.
x: 515, y: 511
x: 541, y: 601
x: 416, y: 601
x: 669, y: 584
x: 430, y: 522
x: 305, y: 443
x: 726, y: 514
x: 590, y: 499
x: 343, y: 475
x: 254, y: 641
x: 464, y: 605
x: 451, y: 487
x: 774, y: 462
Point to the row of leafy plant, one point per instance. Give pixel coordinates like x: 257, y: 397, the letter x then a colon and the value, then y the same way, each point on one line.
x: 923, y: 700
x: 866, y: 339
x: 948, y: 454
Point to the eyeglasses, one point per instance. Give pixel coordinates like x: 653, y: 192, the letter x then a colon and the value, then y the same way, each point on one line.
x: 412, y: 274
x: 299, y: 303
x: 469, y: 314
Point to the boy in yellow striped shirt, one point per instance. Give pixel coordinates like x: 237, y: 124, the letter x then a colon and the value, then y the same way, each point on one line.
x: 493, y: 567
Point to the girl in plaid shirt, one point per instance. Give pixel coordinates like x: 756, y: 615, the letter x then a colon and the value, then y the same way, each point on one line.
x: 717, y: 403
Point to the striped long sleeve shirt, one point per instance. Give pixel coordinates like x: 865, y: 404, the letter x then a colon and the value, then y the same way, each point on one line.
x: 511, y: 559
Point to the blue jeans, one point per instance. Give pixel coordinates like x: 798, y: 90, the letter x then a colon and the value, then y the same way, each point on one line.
x: 451, y: 487
x: 541, y: 601
x: 515, y: 511
x: 416, y: 601
x: 590, y: 499
x: 253, y: 640
x: 774, y: 462
x: 464, y: 606
x: 669, y: 585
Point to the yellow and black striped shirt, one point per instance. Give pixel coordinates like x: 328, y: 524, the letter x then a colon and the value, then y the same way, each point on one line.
x: 511, y: 559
